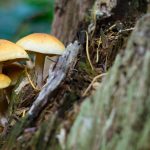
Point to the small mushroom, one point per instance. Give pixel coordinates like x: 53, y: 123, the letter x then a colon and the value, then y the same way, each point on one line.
x: 42, y: 44
x: 4, y: 83
x: 10, y: 52
x: 14, y: 71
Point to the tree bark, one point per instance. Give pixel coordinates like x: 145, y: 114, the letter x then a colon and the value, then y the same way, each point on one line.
x: 69, y: 16
x: 117, y: 116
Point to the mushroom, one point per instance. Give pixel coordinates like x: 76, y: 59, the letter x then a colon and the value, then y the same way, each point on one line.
x: 41, y: 44
x: 4, y: 83
x: 10, y: 52
x: 4, y: 80
x: 13, y: 71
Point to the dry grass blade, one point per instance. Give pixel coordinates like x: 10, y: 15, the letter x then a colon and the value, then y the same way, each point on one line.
x: 87, y: 50
x: 95, y: 78
x: 32, y: 84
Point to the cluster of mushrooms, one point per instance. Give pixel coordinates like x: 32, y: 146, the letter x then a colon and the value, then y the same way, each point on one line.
x: 41, y: 44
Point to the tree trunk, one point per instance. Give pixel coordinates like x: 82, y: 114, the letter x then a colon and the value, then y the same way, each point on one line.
x: 69, y: 17
x: 117, y: 116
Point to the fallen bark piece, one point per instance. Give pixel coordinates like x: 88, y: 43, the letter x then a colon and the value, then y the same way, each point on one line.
x: 56, y: 77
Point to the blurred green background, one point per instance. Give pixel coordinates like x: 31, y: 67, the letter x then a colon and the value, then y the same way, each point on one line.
x: 21, y: 17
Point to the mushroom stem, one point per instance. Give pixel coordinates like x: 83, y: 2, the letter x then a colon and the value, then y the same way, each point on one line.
x: 3, y: 110
x: 1, y: 67
x: 30, y: 65
x: 3, y: 103
x: 39, y: 66
x: 49, y: 63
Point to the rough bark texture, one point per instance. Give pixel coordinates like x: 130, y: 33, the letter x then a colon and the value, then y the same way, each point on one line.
x: 118, y: 116
x: 69, y: 16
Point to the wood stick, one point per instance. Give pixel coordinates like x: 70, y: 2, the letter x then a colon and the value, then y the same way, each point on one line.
x: 56, y: 76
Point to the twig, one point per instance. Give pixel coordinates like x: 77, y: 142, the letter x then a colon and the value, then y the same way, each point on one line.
x: 56, y: 76
x: 126, y: 30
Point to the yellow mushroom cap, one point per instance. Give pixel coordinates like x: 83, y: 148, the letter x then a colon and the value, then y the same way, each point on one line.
x: 42, y: 43
x: 11, y: 51
x: 4, y: 81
